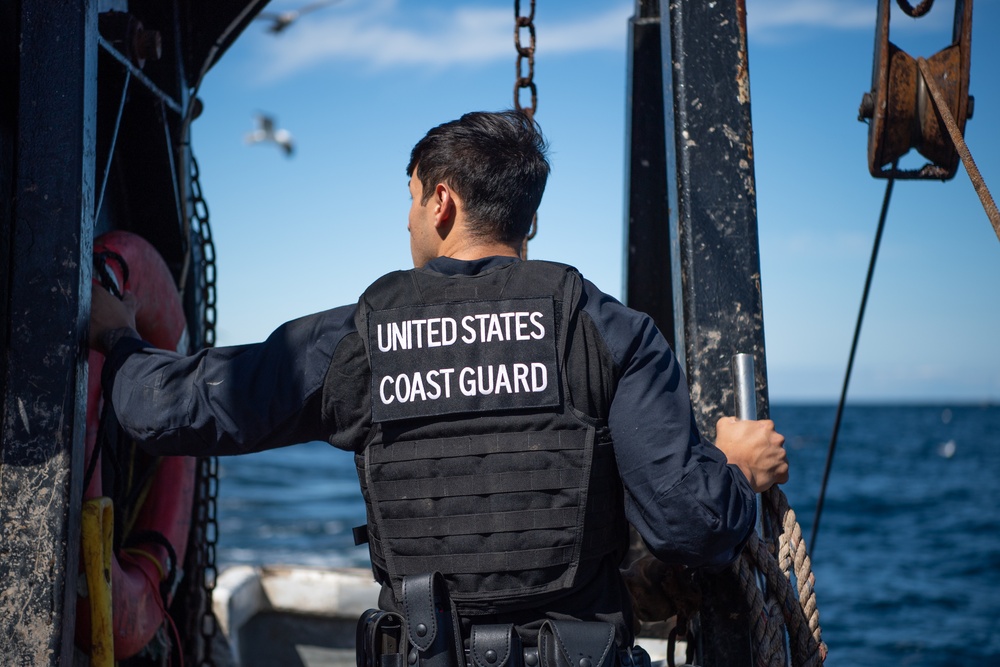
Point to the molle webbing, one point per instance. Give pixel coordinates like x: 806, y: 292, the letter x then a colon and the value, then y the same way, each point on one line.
x: 506, y: 501
x: 509, y: 507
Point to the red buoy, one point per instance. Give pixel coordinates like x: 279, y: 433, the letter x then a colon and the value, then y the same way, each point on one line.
x: 140, y: 566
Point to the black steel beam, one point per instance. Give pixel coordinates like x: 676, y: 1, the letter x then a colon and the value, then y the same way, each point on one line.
x: 714, y: 247
x: 648, y: 275
x: 9, y: 33
x: 48, y: 299
x: 692, y: 258
x: 715, y: 238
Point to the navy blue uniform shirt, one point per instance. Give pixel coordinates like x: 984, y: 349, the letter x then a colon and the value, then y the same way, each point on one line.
x: 689, y: 505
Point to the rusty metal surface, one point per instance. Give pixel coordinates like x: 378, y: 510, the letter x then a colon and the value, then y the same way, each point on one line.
x: 963, y: 150
x: 898, y: 108
x: 918, y: 11
x: 524, y: 80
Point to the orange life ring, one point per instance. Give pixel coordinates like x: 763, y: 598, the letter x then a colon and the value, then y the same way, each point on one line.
x: 136, y: 572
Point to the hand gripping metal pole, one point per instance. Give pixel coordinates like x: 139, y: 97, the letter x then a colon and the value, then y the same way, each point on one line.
x: 745, y: 404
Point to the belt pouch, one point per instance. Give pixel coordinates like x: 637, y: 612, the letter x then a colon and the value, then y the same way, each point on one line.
x: 576, y: 644
x: 381, y: 639
x: 494, y: 646
x: 431, y: 622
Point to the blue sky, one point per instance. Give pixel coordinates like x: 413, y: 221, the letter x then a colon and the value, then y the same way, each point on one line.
x: 359, y: 82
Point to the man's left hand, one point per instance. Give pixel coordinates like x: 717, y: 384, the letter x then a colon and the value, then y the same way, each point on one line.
x: 110, y: 318
x: 756, y: 448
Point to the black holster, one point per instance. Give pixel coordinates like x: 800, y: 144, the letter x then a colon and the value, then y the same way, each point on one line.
x: 430, y: 636
x: 381, y: 640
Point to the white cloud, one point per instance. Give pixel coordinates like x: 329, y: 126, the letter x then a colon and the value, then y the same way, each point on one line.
x: 382, y: 34
x: 607, y: 30
x: 385, y: 33
x: 765, y: 16
x: 773, y: 20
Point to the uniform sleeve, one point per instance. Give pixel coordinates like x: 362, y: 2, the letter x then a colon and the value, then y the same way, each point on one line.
x: 688, y: 504
x: 228, y: 400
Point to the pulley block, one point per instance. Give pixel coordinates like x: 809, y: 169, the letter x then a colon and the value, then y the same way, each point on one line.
x: 899, y: 108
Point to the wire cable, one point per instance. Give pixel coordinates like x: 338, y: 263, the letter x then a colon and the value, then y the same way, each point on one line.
x: 850, y: 361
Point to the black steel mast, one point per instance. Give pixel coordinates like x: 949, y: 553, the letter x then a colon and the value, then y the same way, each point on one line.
x: 49, y: 146
x: 693, y: 260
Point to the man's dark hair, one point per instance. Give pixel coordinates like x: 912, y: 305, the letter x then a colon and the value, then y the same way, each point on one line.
x: 496, y: 164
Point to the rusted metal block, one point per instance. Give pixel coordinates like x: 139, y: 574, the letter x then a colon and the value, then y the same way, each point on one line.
x: 899, y: 108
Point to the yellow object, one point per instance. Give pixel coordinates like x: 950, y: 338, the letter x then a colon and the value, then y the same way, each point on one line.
x: 98, y: 525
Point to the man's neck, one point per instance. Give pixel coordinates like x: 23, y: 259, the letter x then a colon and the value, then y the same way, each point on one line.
x: 471, y: 250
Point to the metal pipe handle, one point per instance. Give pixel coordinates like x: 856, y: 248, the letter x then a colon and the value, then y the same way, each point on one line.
x: 744, y: 393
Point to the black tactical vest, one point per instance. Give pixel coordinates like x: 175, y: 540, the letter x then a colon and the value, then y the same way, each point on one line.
x: 478, y: 465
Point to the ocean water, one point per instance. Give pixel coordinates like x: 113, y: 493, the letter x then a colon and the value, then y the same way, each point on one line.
x: 907, y: 558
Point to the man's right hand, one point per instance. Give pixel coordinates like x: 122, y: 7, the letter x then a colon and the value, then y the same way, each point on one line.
x: 110, y: 318
x: 756, y: 448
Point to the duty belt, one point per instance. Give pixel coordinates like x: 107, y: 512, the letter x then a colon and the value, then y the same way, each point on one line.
x: 429, y: 635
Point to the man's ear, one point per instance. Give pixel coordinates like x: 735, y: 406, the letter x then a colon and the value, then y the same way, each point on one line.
x: 445, y: 206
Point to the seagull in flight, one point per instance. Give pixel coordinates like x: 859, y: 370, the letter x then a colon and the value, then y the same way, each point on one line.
x: 267, y: 131
x: 281, y: 20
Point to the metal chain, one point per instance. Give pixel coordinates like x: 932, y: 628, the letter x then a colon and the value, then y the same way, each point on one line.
x: 201, y: 228
x: 207, y: 534
x: 205, y: 528
x: 521, y: 82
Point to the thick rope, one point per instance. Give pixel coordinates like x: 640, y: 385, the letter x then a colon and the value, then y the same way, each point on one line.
x: 963, y: 150
x: 765, y: 619
x: 784, y: 605
x: 792, y: 551
x: 805, y: 650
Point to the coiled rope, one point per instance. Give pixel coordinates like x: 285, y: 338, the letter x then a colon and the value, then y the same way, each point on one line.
x: 783, y: 606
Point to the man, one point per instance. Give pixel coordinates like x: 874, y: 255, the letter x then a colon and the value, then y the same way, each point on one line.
x: 506, y: 416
